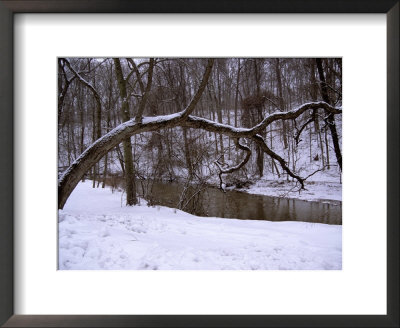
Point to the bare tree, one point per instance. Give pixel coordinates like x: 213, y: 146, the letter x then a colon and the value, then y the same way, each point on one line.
x: 162, y: 128
x: 130, y: 181
x: 330, y: 120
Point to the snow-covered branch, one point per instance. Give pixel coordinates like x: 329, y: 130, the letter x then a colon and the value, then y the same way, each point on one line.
x: 82, y: 80
x: 98, y: 149
x: 293, y: 114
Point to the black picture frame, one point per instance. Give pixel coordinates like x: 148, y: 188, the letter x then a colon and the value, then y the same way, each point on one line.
x: 10, y: 7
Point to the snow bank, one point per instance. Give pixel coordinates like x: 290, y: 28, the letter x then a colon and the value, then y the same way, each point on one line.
x: 325, y: 191
x: 96, y: 232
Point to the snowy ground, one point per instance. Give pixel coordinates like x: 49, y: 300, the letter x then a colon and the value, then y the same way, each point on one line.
x: 326, y: 191
x: 96, y: 232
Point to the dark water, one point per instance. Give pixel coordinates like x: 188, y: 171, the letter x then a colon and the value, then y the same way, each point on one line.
x: 240, y: 205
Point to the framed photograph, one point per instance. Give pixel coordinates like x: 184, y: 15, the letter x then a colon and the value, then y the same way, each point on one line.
x: 132, y: 136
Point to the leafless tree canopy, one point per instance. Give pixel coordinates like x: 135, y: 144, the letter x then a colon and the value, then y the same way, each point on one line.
x: 198, y: 118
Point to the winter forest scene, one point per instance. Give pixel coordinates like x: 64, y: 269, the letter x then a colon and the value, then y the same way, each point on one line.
x: 199, y: 163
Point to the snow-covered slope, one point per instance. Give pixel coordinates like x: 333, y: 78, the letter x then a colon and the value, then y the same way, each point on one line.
x: 323, y: 191
x: 96, y: 232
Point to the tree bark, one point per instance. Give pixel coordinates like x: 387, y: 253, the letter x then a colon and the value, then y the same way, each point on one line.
x: 237, y: 92
x: 330, y: 120
x: 281, y: 101
x: 259, y: 108
x: 130, y: 183
x: 314, y: 92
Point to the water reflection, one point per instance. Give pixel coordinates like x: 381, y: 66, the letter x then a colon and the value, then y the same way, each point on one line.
x: 240, y: 205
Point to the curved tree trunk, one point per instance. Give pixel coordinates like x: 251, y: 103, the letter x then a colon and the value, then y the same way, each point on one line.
x: 98, y: 149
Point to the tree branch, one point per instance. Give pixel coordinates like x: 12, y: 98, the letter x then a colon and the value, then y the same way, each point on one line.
x: 189, y: 109
x: 136, y: 70
x: 64, y: 90
x: 294, y: 114
x: 236, y: 167
x: 297, y: 136
x: 82, y: 80
x: 143, y: 101
x: 99, y: 148
x: 272, y: 102
x: 260, y: 141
